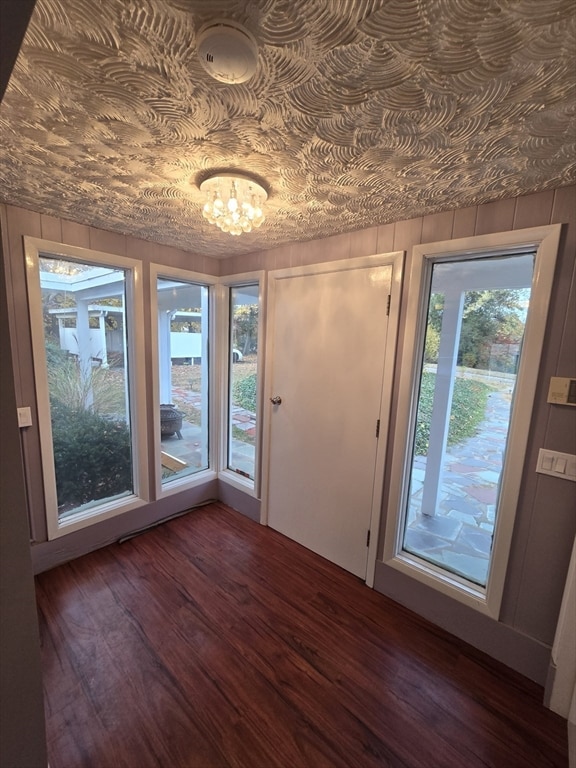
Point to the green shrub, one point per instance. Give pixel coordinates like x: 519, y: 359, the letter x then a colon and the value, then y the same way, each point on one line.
x: 92, y: 456
x: 468, y: 410
x: 244, y: 392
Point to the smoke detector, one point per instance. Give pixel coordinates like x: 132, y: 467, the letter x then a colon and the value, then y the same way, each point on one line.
x: 227, y: 51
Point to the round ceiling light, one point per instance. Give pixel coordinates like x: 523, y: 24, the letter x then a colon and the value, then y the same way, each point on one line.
x: 233, y: 202
x: 227, y: 51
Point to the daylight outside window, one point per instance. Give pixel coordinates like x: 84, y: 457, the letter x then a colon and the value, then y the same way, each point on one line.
x: 85, y: 340
x: 183, y: 375
x: 243, y: 380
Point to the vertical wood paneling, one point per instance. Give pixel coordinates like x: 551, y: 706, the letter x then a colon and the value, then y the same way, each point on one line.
x: 533, y: 210
x: 75, y: 234
x: 279, y: 258
x: 364, y: 242
x: 464, y: 222
x: 437, y: 227
x: 329, y: 249
x: 22, y: 222
x: 546, y: 556
x: 107, y: 242
x: 51, y: 228
x: 232, y: 266
x: 22, y: 738
x: 495, y: 217
x: 142, y: 249
x: 407, y: 234
x: 545, y: 524
x: 385, y: 238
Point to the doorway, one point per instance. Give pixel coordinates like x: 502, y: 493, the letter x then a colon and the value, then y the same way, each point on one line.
x: 330, y: 356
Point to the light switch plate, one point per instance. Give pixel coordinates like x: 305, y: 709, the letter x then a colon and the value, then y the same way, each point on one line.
x: 557, y: 464
x: 24, y: 417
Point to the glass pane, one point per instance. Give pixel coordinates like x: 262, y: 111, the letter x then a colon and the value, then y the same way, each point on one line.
x: 476, y: 317
x: 85, y: 340
x: 243, y: 380
x: 183, y: 377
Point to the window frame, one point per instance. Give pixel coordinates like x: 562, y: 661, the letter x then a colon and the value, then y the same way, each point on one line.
x: 179, y: 484
x: 246, y: 485
x: 544, y: 241
x: 34, y: 248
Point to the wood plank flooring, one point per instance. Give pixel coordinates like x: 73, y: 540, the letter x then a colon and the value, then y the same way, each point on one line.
x: 212, y: 641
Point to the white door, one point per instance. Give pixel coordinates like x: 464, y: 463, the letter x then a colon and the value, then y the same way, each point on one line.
x: 326, y: 356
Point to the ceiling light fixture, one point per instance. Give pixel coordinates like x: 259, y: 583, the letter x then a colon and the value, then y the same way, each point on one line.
x: 234, y: 202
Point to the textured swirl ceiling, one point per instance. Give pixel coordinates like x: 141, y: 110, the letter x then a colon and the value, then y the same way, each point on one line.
x: 361, y: 112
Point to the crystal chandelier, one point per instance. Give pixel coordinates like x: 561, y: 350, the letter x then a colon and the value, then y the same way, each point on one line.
x: 234, y: 202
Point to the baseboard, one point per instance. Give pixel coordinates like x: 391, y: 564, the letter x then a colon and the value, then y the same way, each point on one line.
x: 516, y: 650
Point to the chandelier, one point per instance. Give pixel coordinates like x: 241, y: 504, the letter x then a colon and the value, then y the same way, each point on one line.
x: 234, y: 202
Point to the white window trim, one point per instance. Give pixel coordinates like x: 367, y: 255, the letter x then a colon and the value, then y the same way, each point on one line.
x: 246, y: 485
x: 177, y: 485
x: 544, y: 240
x: 33, y: 249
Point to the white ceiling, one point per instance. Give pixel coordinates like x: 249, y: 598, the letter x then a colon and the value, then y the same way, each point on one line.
x: 361, y: 112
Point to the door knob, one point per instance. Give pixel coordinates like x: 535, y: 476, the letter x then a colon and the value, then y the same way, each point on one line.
x: 276, y: 400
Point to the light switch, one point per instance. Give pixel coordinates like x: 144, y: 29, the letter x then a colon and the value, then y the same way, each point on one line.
x: 24, y: 417
x: 557, y: 464
x: 560, y: 466
x: 547, y: 462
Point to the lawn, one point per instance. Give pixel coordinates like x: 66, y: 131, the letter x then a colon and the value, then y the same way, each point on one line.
x: 469, y: 401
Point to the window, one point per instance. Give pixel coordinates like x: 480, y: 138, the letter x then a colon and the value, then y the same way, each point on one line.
x: 182, y: 376
x: 83, y: 312
x: 464, y: 409
x: 243, y: 378
x: 242, y: 322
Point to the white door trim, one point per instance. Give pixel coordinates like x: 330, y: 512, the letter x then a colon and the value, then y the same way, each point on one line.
x: 396, y: 261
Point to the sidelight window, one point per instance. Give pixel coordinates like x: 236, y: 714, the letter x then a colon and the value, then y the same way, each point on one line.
x: 478, y: 311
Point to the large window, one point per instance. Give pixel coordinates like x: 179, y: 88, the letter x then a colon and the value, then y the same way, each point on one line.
x: 467, y: 389
x: 476, y: 315
x: 183, y: 377
x: 82, y: 321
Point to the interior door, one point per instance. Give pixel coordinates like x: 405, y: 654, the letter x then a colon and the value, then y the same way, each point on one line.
x: 327, y: 351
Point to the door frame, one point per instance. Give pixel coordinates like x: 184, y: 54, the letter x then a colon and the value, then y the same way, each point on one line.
x: 395, y: 260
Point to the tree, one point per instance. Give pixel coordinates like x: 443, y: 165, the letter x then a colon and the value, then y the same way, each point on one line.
x: 489, y: 317
x: 245, y: 327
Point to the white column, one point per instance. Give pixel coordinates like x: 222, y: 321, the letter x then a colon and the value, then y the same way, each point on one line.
x: 102, y: 351
x: 440, y: 420
x: 164, y: 357
x: 84, y: 350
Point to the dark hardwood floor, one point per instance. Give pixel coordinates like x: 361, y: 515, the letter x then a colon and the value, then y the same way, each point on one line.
x: 212, y: 641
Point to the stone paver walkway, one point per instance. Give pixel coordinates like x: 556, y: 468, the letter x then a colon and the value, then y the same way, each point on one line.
x: 188, y: 449
x: 459, y: 536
